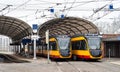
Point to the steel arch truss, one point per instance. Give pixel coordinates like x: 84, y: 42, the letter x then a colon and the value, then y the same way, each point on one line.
x: 69, y: 25
x: 14, y: 28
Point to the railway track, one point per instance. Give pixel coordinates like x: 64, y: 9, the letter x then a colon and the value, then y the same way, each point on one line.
x: 97, y: 66
x: 66, y: 66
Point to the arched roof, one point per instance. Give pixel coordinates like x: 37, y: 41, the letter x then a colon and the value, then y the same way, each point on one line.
x: 69, y: 25
x: 14, y: 28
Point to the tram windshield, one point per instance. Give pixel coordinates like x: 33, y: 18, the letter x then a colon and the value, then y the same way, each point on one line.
x: 63, y: 42
x: 94, y: 42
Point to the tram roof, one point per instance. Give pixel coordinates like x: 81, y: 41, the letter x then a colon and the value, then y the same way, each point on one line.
x: 67, y: 26
x: 14, y: 28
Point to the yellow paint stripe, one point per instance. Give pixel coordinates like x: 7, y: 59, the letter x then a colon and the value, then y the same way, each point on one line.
x: 77, y: 38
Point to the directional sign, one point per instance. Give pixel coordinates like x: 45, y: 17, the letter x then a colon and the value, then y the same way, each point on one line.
x: 35, y: 27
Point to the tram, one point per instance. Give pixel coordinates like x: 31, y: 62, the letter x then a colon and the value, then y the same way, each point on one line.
x: 59, y: 47
x: 86, y: 47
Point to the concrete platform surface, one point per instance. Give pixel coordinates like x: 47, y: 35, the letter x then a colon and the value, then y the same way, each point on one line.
x: 41, y: 65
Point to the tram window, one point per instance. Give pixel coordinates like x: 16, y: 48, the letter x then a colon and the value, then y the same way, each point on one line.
x: 44, y: 46
x: 79, y: 45
x: 53, y: 46
x: 82, y: 45
x: 73, y: 45
x: 76, y: 45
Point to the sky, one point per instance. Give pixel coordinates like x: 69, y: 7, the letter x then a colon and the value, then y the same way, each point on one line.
x: 38, y: 11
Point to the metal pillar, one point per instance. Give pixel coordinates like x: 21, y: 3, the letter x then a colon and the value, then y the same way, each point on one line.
x: 48, y: 53
x: 34, y: 48
x: 109, y: 53
x: 47, y: 42
x: 19, y: 48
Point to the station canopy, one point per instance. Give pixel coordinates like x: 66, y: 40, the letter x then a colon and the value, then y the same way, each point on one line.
x: 67, y: 26
x: 14, y: 28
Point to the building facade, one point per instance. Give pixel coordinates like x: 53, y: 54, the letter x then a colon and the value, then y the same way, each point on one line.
x: 111, y: 45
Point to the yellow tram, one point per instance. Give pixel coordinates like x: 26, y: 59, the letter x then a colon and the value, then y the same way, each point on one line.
x: 86, y: 47
x: 59, y: 47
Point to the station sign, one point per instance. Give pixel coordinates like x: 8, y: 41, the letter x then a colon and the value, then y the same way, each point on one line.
x: 35, y: 27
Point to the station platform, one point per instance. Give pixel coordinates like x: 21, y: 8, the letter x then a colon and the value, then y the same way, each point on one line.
x: 42, y: 65
x: 38, y: 65
x: 112, y: 60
